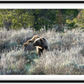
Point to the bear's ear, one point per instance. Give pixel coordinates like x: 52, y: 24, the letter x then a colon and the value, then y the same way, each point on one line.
x: 43, y: 39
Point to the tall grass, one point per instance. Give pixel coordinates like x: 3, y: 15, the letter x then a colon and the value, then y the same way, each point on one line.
x: 12, y: 57
x: 66, y: 55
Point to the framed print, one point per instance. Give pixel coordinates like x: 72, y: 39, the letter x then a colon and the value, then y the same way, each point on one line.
x: 42, y: 41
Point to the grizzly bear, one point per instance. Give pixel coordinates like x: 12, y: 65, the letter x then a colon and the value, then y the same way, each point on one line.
x: 40, y: 43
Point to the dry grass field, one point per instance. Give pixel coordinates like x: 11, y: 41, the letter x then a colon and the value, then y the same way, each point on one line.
x: 66, y: 55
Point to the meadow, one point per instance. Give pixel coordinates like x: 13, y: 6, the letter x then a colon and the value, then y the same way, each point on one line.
x: 66, y: 55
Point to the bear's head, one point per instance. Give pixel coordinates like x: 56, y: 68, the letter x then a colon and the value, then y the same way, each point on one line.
x: 39, y: 42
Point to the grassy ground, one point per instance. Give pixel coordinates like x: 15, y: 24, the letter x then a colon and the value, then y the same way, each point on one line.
x: 66, y: 55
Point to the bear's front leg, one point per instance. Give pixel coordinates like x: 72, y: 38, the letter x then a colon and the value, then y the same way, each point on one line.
x: 39, y: 51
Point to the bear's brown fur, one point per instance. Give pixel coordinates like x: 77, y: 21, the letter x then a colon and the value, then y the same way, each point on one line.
x: 40, y: 43
x: 31, y: 40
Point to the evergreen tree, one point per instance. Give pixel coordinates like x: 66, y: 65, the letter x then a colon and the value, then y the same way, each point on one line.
x: 15, y: 18
x: 18, y: 18
x: 71, y: 20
